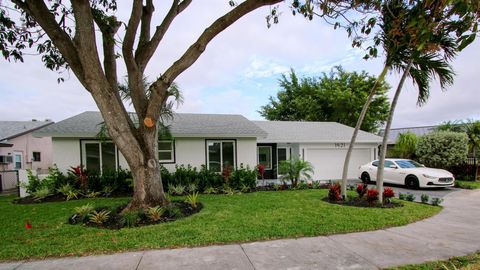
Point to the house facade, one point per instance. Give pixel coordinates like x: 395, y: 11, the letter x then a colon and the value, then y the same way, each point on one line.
x: 19, y: 149
x: 217, y: 141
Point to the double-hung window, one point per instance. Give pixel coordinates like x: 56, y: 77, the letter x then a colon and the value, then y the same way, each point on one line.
x: 220, y: 154
x: 166, y: 152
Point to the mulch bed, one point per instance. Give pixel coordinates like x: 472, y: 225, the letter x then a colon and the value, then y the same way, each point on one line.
x: 361, y: 202
x: 115, y: 220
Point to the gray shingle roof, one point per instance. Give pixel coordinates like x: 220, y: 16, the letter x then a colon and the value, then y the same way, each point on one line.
x: 87, y: 124
x: 419, y: 131
x: 310, y: 132
x: 12, y: 129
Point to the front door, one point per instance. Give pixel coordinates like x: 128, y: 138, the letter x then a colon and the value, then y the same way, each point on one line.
x: 267, y: 156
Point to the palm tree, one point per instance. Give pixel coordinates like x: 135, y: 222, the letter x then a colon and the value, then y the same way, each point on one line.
x: 295, y: 169
x: 405, y: 145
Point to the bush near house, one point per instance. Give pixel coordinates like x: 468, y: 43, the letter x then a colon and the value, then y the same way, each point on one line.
x: 442, y: 149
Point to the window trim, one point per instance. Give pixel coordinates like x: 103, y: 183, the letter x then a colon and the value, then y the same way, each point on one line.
x: 169, y: 161
x: 83, y: 156
x: 207, y: 158
x: 271, y: 156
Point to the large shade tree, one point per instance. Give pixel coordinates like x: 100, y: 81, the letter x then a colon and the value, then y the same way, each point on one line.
x: 65, y: 33
x: 337, y: 96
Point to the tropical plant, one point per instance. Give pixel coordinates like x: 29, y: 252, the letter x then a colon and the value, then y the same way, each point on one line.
x: 405, y: 145
x: 362, y: 189
x: 228, y: 190
x: 176, y: 189
x: 154, y: 214
x: 41, y: 193
x: 210, y: 190
x: 372, y: 196
x: 442, y: 149
x: 295, y: 169
x: 402, y: 196
x: 65, y: 189
x: 334, y: 192
x: 92, y: 194
x: 410, y: 197
x: 99, y: 217
x: 192, y: 187
x: 192, y: 199
x: 72, y: 194
x: 82, y: 212
x: 129, y: 218
x: 81, y: 176
x: 388, y: 194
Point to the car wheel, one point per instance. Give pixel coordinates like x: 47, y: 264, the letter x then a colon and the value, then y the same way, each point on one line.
x: 412, y: 182
x: 365, y: 178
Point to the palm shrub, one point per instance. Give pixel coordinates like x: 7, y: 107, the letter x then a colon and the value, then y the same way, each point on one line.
x: 405, y: 145
x: 294, y: 170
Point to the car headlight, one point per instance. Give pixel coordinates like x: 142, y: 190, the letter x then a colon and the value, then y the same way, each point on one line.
x: 429, y: 176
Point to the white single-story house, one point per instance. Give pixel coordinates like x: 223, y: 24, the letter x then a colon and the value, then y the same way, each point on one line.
x: 218, y: 140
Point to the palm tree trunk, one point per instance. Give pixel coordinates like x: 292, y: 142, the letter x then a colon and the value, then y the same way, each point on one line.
x: 383, y: 149
x: 357, y: 128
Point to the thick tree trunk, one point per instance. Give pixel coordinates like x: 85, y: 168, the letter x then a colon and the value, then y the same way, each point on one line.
x: 383, y: 149
x: 357, y: 128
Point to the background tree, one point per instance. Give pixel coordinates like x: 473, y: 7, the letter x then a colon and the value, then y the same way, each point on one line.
x: 337, y: 96
x: 65, y: 34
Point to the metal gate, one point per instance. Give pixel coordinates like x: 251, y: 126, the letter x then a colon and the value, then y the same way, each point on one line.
x: 9, y: 181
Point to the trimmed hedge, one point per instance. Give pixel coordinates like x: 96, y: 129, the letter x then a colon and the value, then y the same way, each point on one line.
x: 443, y: 149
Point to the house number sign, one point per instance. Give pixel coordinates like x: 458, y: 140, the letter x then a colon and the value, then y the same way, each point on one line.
x: 340, y: 145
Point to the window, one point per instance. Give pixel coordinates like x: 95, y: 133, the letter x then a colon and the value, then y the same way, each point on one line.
x: 283, y: 153
x: 265, y: 156
x: 99, y: 156
x: 18, y: 160
x: 388, y: 163
x: 220, y: 154
x: 166, y: 151
x: 36, y: 156
x: 375, y: 163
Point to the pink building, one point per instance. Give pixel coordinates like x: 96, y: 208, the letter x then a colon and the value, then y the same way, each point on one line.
x: 19, y: 149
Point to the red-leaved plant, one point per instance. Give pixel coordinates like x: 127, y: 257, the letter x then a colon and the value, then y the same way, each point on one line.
x: 226, y: 173
x: 261, y: 170
x: 362, y: 190
x: 388, y: 194
x: 334, y: 192
x: 372, y: 196
x: 81, y: 175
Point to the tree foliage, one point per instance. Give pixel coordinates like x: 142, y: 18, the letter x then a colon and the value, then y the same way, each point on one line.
x: 337, y: 96
x: 442, y: 149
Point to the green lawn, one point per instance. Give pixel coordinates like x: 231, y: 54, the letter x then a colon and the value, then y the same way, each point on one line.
x: 467, y: 184
x: 470, y: 262
x: 224, y: 219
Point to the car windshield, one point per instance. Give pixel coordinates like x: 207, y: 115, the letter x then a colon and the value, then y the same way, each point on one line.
x: 405, y: 164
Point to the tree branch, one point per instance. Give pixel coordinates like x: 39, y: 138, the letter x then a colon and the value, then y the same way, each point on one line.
x: 159, y: 87
x: 146, y: 50
x: 108, y: 26
x: 135, y: 83
x: 46, y: 20
x: 147, y: 13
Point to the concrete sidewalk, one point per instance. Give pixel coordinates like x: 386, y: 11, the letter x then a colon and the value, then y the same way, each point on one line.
x: 453, y: 232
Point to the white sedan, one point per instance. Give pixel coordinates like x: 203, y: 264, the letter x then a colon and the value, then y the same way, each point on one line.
x: 407, y: 172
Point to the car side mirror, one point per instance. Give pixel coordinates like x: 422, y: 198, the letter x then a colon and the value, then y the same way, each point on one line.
x: 393, y: 166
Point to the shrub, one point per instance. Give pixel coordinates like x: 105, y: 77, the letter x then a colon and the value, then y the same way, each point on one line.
x: 302, y: 185
x: 245, y: 188
x: 424, y: 198
x: 72, y: 194
x: 172, y: 211
x: 388, y: 194
x: 437, y: 201
x: 41, y: 193
x: 154, y: 214
x: 334, y: 192
x: 192, y: 199
x: 410, y: 197
x: 65, y: 189
x: 442, y: 149
x: 33, y: 183
x: 99, y: 217
x: 192, y: 187
x: 129, y: 219
x: 362, y: 190
x: 176, y: 189
x: 402, y: 196
x: 81, y: 176
x: 210, y: 190
x: 372, y: 196
x: 316, y: 184
x: 243, y: 176
x: 228, y: 190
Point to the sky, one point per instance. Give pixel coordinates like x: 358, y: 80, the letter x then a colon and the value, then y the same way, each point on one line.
x: 239, y: 70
